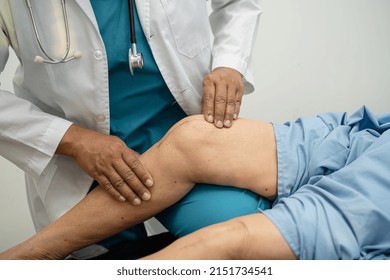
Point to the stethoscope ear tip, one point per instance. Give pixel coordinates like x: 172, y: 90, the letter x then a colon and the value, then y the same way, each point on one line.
x: 38, y: 59
x: 77, y: 54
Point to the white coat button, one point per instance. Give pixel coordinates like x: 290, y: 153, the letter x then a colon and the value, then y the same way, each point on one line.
x: 98, y: 54
x: 100, y: 118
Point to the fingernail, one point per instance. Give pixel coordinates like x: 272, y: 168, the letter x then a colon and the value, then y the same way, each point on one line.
x: 122, y: 198
x: 219, y: 124
x: 235, y: 116
x: 137, y: 201
x: 146, y: 196
x: 210, y: 118
x: 149, y: 183
x: 228, y: 123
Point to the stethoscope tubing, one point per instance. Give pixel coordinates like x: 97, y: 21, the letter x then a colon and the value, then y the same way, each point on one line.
x: 50, y: 59
x: 135, y: 58
x: 132, y: 24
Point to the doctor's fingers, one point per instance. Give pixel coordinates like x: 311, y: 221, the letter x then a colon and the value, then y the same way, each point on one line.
x: 117, y: 187
x: 208, y: 99
x: 217, y: 101
x: 222, y: 95
x: 109, y: 188
x: 130, y: 185
x: 237, y: 103
x: 220, y: 103
x: 235, y: 84
x: 230, y: 111
x: 227, y: 104
x: 131, y: 158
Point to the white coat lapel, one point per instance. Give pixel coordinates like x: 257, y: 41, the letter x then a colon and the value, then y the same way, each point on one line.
x: 143, y: 9
x: 86, y: 7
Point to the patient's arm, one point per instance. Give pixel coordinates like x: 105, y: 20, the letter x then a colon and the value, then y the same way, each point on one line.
x: 193, y: 151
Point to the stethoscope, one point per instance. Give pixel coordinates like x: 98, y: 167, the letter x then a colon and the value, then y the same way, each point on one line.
x: 135, y: 59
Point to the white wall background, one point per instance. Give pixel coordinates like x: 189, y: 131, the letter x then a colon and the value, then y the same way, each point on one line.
x: 311, y: 56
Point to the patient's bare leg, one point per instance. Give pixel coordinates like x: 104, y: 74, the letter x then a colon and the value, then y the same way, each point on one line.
x: 248, y: 237
x: 193, y: 151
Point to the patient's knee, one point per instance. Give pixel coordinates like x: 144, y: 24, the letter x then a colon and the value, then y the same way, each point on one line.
x: 189, y: 134
x: 227, y: 238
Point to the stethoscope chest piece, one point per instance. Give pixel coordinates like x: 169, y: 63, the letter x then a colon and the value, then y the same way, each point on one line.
x: 136, y: 60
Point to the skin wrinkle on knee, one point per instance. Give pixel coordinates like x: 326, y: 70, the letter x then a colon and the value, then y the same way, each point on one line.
x: 239, y: 232
x: 177, y: 126
x: 242, y: 250
x: 233, y: 231
x: 213, y: 238
x: 189, y: 132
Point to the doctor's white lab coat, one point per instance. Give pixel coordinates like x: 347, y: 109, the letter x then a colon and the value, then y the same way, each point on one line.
x: 49, y: 98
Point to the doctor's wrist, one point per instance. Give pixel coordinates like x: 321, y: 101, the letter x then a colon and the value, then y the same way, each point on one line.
x: 69, y: 142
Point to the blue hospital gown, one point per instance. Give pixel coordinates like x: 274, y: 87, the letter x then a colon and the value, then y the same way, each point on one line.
x: 334, y: 186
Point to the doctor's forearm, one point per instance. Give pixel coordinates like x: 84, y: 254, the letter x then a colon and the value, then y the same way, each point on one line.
x: 98, y: 215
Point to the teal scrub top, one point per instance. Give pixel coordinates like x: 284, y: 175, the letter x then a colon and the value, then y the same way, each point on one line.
x: 142, y: 109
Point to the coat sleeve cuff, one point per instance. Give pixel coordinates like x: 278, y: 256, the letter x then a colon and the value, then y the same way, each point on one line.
x: 47, y: 146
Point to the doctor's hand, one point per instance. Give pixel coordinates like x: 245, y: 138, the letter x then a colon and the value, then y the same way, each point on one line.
x: 223, y: 89
x: 109, y: 161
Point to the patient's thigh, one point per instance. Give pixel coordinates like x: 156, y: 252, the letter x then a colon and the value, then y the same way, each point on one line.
x: 209, y: 204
